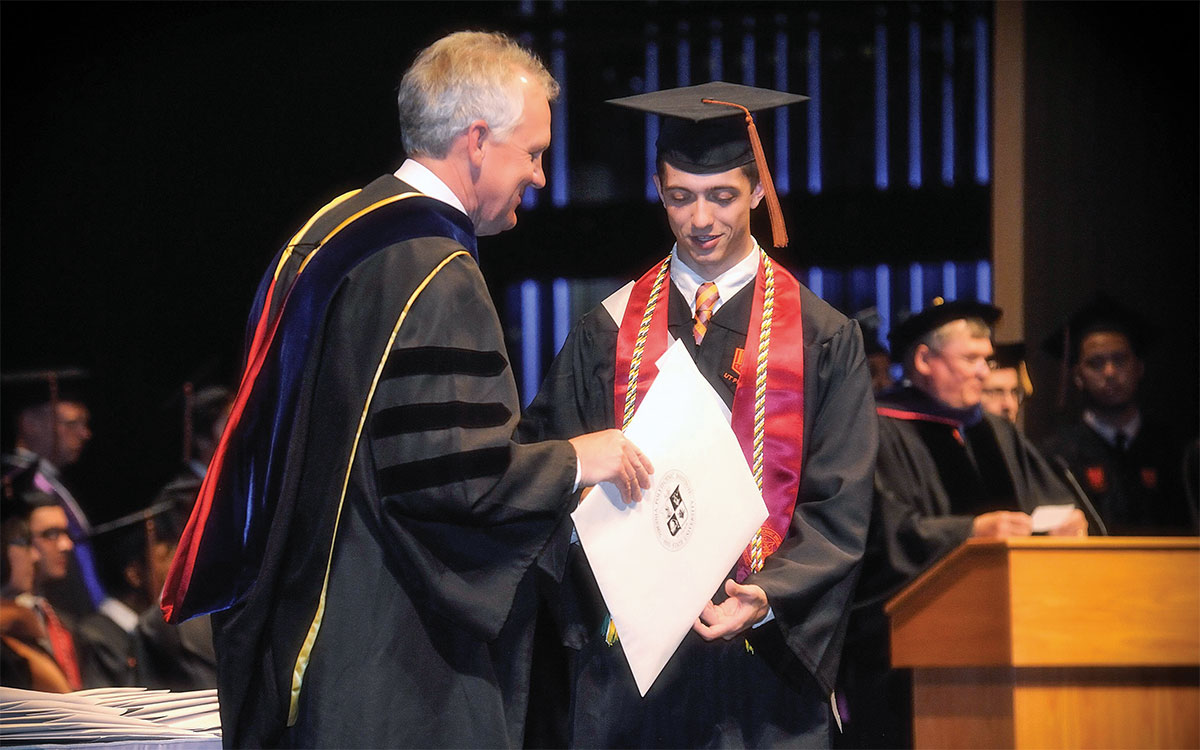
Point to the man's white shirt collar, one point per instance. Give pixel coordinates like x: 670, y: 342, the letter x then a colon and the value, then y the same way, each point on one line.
x: 728, y: 284
x: 419, y: 176
x: 1109, y: 432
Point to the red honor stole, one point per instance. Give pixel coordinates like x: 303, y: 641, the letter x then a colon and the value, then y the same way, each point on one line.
x: 770, y: 432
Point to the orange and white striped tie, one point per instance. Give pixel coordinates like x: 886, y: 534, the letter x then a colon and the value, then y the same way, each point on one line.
x: 706, y: 298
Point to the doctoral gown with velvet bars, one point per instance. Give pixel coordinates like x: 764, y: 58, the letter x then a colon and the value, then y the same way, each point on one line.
x: 426, y: 595
x: 719, y: 693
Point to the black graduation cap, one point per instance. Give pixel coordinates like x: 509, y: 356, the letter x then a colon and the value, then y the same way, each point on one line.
x: 1009, y: 355
x: 709, y: 128
x: 939, y: 313
x: 1101, y: 313
x: 1012, y: 354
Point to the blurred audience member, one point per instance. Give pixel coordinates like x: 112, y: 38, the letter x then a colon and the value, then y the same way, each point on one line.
x: 1007, y: 385
x: 109, y: 643
x: 181, y: 657
x: 35, y: 531
x: 25, y: 660
x: 50, y: 422
x: 1129, y: 464
x: 879, y: 359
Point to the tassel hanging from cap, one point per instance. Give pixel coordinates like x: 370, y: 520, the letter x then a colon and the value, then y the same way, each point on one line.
x: 778, y: 228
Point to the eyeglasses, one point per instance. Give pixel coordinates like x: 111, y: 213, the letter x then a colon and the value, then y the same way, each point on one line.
x: 53, y: 534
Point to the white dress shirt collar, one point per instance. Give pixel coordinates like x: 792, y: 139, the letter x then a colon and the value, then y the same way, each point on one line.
x: 425, y: 181
x: 687, y: 281
x: 1108, y: 432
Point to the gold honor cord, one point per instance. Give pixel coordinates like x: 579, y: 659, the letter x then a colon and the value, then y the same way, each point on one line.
x: 306, y: 650
x: 760, y: 397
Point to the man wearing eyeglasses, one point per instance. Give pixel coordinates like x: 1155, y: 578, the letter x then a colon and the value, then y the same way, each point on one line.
x: 947, y: 471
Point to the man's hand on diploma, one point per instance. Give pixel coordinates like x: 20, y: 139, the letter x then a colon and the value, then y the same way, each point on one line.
x: 608, y: 456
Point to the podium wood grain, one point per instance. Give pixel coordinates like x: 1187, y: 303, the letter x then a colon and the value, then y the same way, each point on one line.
x: 1042, y: 642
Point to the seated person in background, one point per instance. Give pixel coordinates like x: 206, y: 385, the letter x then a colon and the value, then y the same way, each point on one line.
x: 946, y: 472
x: 25, y: 661
x: 1129, y: 464
x: 176, y: 657
x: 49, y: 418
x: 879, y: 360
x: 36, y: 545
x: 109, y: 645
x: 1007, y: 384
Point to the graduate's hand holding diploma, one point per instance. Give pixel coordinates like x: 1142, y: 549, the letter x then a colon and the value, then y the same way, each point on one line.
x: 745, y: 606
x: 608, y: 456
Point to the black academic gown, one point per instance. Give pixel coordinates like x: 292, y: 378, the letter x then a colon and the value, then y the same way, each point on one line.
x: 427, y: 606
x: 1138, y: 491
x: 719, y: 693
x: 932, y: 479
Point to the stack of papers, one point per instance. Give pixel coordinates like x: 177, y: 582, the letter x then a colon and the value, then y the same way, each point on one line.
x: 107, y: 715
x: 659, y: 560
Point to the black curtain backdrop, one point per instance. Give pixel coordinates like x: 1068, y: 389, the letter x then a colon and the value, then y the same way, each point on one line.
x: 155, y: 156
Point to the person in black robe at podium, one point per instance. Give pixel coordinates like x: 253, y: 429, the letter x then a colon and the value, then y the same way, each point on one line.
x: 757, y: 669
x: 366, y: 528
x: 947, y: 471
x: 1130, y: 464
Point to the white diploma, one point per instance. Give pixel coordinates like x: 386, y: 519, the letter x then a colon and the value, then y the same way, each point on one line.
x: 659, y: 560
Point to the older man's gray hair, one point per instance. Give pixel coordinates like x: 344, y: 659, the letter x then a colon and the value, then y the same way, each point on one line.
x: 461, y: 78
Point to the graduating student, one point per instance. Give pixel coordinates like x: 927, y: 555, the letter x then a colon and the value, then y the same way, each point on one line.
x: 49, y: 417
x: 759, y: 665
x: 947, y: 471
x: 1129, y: 463
x: 365, y: 528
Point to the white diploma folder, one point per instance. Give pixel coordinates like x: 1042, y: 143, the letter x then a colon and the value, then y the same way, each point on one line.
x: 659, y: 560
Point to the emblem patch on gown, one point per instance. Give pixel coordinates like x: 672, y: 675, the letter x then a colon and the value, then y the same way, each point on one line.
x: 735, y: 368
x: 674, y: 511
x: 1149, y: 477
x: 1096, y: 479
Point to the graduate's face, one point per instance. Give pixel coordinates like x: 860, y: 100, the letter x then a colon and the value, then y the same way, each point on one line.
x: 955, y: 372
x: 1109, y: 371
x: 709, y: 215
x: 1002, y: 393
x: 508, y: 166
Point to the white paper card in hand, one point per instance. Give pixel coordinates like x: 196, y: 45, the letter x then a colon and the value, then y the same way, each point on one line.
x: 1046, y: 518
x: 659, y: 560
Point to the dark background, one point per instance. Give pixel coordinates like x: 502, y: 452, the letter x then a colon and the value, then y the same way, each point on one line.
x: 155, y: 156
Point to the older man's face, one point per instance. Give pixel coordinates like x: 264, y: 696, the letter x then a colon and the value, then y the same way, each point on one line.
x: 957, y: 372
x: 511, y: 165
x: 48, y: 527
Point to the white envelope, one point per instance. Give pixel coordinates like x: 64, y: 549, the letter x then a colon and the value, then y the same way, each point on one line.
x: 659, y: 560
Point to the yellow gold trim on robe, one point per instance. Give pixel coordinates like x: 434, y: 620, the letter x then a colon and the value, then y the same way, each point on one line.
x: 287, y: 252
x: 310, y: 639
x: 367, y: 210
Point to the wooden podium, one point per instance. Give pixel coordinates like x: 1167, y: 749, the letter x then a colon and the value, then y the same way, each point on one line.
x: 1054, y: 642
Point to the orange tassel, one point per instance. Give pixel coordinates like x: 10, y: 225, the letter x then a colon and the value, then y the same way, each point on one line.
x: 778, y: 228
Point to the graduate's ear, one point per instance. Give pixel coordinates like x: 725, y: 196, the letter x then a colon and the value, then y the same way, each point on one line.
x: 756, y: 195
x: 921, y: 358
x: 658, y: 187
x: 479, y: 137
